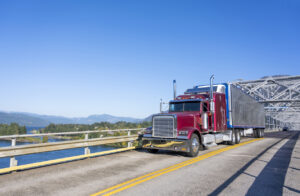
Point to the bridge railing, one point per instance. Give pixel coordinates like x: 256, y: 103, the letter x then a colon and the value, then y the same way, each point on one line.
x: 15, y: 150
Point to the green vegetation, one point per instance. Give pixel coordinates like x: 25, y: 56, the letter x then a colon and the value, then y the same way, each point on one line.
x: 15, y: 129
x: 56, y: 128
x: 12, y: 129
x: 29, y: 139
x: 96, y: 126
x: 45, y: 139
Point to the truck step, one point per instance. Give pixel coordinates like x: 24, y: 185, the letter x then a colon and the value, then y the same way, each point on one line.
x: 210, y: 145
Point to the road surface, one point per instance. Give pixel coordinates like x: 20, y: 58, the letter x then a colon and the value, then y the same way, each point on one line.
x: 270, y: 166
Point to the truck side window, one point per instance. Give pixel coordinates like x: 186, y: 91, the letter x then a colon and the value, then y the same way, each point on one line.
x: 204, y: 109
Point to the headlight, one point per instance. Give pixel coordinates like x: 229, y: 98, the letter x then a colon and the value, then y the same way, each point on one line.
x: 183, y: 132
x: 148, y: 130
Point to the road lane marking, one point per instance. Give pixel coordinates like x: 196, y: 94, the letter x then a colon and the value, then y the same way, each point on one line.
x: 62, y: 160
x: 130, y: 183
x: 138, y: 178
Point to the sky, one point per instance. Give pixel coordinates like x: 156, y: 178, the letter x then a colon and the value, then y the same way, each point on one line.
x: 77, y: 58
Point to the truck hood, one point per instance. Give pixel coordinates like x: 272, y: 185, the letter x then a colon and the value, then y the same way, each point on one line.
x: 185, y: 120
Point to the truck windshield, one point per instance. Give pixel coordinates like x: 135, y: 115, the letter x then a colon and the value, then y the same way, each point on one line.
x: 184, y: 106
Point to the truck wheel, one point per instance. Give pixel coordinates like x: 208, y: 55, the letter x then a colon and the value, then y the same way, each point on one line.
x: 232, y: 142
x: 242, y: 133
x: 194, y: 146
x: 255, y: 133
x: 259, y: 133
x: 262, y: 132
x: 152, y: 150
x: 237, y: 136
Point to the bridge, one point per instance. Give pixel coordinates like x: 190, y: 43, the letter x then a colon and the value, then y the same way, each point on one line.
x: 281, y: 97
x: 268, y: 166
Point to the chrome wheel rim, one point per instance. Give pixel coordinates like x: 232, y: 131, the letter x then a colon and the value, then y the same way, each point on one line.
x: 233, y: 137
x: 195, y: 145
x: 260, y: 133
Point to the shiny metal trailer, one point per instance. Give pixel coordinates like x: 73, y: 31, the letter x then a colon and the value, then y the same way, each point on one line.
x: 243, y: 111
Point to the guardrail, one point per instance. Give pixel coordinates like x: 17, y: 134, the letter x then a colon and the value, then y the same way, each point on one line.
x: 14, y: 150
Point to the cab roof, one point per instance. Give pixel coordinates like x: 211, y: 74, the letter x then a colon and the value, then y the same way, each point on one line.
x: 185, y: 100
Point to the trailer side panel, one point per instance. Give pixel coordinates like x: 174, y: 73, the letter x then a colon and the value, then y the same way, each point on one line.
x: 246, y: 112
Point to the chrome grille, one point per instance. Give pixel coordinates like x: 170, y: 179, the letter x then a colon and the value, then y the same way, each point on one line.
x: 163, y: 126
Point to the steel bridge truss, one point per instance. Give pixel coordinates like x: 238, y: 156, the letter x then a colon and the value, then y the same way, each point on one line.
x: 280, y: 96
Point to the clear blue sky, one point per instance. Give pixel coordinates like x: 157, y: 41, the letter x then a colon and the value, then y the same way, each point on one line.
x: 76, y: 58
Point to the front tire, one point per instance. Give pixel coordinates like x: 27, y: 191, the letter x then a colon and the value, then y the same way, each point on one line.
x: 194, y: 146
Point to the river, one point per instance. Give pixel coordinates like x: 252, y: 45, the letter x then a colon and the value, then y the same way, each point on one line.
x: 45, y: 156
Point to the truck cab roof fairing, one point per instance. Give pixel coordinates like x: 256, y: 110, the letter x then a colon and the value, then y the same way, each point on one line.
x: 219, y: 88
x: 186, y: 100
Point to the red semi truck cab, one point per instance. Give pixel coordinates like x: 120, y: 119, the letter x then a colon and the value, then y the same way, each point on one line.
x: 196, y: 119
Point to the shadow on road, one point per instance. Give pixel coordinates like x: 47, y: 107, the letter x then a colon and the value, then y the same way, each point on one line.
x: 271, y: 180
x: 164, y: 152
x: 292, y: 189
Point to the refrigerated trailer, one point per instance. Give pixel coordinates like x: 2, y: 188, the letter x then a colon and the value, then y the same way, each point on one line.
x: 205, y: 116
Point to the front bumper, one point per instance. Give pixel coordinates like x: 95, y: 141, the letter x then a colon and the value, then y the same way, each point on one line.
x: 178, y: 145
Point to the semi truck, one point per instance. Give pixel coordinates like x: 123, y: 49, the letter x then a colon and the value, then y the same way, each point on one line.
x: 204, y: 116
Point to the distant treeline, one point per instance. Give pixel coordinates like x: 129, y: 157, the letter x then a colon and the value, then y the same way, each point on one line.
x: 96, y: 126
x: 12, y: 129
x: 56, y: 128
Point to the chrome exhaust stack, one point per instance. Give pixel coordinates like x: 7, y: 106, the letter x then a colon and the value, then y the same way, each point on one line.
x: 211, y: 86
x: 212, y: 104
x: 174, y: 89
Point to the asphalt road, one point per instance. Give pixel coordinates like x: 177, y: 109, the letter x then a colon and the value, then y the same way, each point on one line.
x: 266, y: 167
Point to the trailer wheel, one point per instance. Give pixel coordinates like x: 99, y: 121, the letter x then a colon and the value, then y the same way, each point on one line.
x: 152, y: 150
x: 194, y: 146
x: 255, y: 132
x: 262, y: 132
x: 233, y: 136
x: 237, y: 136
x: 258, y: 133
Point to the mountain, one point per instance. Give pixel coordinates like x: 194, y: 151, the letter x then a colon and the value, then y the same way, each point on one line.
x: 104, y: 117
x: 148, y: 119
x: 36, y: 120
x: 22, y: 119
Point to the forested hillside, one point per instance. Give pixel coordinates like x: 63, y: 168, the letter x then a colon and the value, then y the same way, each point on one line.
x: 96, y: 126
x: 12, y: 129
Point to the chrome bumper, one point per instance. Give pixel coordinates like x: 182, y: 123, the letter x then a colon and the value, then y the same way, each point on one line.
x: 166, y: 144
